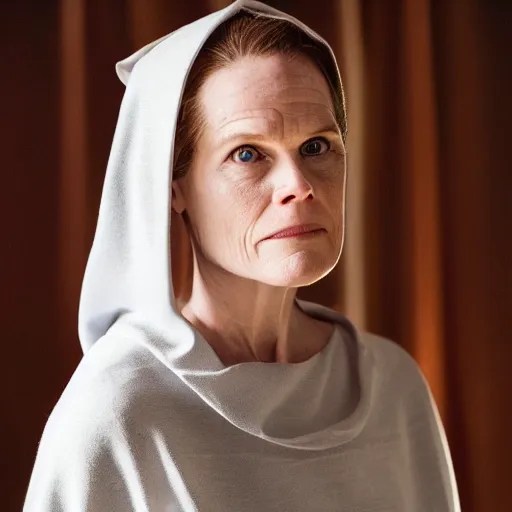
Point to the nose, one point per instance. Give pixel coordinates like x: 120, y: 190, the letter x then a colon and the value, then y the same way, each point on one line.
x: 291, y: 184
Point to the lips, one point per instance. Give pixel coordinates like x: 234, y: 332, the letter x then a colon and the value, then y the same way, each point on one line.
x: 297, y: 230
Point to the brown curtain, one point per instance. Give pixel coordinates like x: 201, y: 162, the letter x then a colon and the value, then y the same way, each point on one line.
x: 428, y: 248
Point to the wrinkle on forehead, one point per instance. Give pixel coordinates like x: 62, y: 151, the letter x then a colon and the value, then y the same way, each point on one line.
x: 268, y: 120
x: 287, y: 110
x: 275, y: 123
x: 252, y: 97
x: 269, y: 95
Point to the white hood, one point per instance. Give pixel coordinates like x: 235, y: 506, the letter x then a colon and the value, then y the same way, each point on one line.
x: 129, y: 267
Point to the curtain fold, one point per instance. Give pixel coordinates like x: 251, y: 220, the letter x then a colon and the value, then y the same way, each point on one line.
x: 349, y: 47
x: 421, y: 216
x: 73, y: 165
x: 428, y: 245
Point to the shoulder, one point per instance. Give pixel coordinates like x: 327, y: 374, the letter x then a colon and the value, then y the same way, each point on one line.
x: 399, y: 381
x: 97, y: 425
x: 391, y: 360
x: 387, y: 352
x: 111, y: 389
x: 85, y: 450
x: 404, y: 399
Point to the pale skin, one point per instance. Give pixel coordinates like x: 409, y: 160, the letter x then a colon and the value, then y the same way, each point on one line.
x: 287, y: 168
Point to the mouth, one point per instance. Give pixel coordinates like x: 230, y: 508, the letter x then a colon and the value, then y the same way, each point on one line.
x: 301, y: 231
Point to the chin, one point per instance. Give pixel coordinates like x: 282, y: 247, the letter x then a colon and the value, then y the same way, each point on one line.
x: 299, y: 270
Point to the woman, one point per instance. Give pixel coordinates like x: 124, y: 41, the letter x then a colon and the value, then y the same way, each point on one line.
x: 241, y: 398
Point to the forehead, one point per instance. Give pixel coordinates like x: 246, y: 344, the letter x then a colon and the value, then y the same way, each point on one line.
x: 267, y: 91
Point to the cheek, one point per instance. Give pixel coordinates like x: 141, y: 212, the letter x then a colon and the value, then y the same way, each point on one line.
x: 333, y: 193
x: 235, y: 202
x: 226, y: 211
x: 336, y: 197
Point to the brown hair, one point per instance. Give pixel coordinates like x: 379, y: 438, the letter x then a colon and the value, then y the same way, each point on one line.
x: 247, y: 34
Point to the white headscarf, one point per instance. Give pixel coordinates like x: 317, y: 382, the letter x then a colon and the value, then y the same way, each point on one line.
x: 129, y: 264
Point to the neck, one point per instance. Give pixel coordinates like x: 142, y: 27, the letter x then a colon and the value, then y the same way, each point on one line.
x: 248, y: 321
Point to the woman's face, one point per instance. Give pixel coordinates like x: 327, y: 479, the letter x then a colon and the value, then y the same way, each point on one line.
x: 270, y: 157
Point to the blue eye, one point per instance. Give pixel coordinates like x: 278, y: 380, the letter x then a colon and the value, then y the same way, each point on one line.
x: 314, y: 147
x: 244, y: 154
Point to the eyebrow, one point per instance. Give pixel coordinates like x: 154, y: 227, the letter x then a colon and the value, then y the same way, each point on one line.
x: 224, y: 139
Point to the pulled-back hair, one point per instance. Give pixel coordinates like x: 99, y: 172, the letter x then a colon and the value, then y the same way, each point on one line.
x: 247, y: 34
